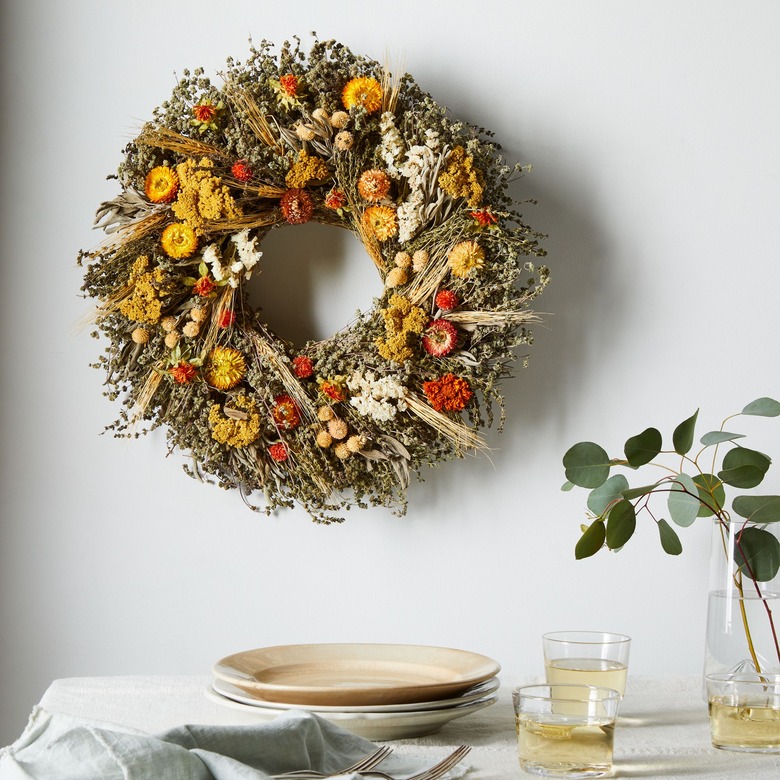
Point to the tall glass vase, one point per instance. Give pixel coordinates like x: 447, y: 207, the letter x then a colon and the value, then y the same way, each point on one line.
x: 743, y: 615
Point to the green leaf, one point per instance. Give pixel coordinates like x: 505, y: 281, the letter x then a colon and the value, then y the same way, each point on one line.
x: 567, y: 486
x: 643, y: 447
x: 189, y: 281
x: 591, y: 541
x: 763, y: 407
x: 744, y: 468
x: 587, y: 465
x: 640, y: 491
x: 621, y: 524
x: 757, y: 554
x: 711, y: 492
x: 683, y: 435
x: 718, y: 437
x: 683, y: 507
x: 602, y: 496
x: 759, y: 509
x: 669, y: 539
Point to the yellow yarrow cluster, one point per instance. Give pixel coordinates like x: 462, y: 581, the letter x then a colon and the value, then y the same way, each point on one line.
x: 306, y: 169
x: 202, y: 196
x: 235, y: 432
x: 461, y: 179
x: 144, y: 304
x: 403, y: 323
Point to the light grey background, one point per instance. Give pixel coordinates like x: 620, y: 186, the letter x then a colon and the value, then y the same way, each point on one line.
x: 653, y: 131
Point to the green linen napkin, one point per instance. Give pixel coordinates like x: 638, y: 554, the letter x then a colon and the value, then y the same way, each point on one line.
x: 62, y: 747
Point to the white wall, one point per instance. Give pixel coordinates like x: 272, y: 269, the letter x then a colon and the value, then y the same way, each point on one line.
x: 653, y: 129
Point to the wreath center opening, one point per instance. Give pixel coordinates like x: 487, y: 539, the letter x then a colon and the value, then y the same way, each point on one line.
x: 313, y: 279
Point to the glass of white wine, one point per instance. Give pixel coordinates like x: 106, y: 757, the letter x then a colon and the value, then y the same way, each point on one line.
x: 587, y: 658
x: 745, y: 712
x: 565, y: 730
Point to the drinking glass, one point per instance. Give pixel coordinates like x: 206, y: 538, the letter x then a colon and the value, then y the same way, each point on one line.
x: 565, y: 730
x: 745, y: 712
x: 587, y: 658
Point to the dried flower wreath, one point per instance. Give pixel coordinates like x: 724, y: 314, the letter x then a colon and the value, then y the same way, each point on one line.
x: 288, y: 138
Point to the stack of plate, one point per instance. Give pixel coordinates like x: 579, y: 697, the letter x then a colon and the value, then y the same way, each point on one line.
x: 378, y: 691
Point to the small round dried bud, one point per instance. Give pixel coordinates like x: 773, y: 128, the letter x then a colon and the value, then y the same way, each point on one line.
x: 168, y: 324
x: 304, y: 132
x: 325, y: 413
x: 140, y: 335
x: 199, y: 314
x: 337, y: 428
x: 320, y: 114
x: 396, y: 277
x: 342, y: 451
x: 172, y: 339
x: 340, y: 119
x: 344, y: 141
x: 324, y: 439
x: 191, y: 329
x: 356, y: 443
x: 403, y: 259
x: 420, y: 259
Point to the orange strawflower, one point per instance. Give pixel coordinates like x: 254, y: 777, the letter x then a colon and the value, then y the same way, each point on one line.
x: 285, y: 412
x: 297, y: 206
x: 225, y: 368
x: 381, y: 221
x: 161, y: 184
x: 373, y: 185
x: 362, y: 92
x: 449, y: 393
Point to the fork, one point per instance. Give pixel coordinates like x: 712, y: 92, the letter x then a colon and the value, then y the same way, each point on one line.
x: 432, y: 773
x: 363, y: 764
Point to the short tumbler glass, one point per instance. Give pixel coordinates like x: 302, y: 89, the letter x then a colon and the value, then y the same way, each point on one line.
x: 587, y: 658
x: 745, y: 712
x: 565, y: 730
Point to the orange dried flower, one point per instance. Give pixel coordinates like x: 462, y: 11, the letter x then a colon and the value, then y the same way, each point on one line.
x: 364, y: 92
x: 161, y: 184
x: 204, y: 286
x: 373, y: 185
x: 297, y: 206
x: 204, y: 112
x: 289, y: 84
x: 449, y: 393
x: 183, y: 373
x: 279, y: 452
x: 335, y: 200
x: 333, y: 390
x: 242, y: 171
x: 381, y: 221
x: 285, y: 412
x: 447, y: 300
x: 484, y: 217
x: 226, y: 319
x: 303, y: 366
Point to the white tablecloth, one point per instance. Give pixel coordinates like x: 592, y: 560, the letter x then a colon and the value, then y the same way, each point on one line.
x: 662, y: 729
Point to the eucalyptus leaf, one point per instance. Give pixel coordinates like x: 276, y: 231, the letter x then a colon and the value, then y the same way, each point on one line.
x: 591, y: 541
x: 763, y: 407
x: 669, y: 540
x: 759, y: 509
x: 621, y: 524
x: 683, y: 436
x: 604, y: 495
x: 683, y: 501
x: 757, y: 554
x: 640, y: 491
x: 711, y: 494
x: 586, y: 464
x: 744, y: 468
x: 567, y: 486
x: 718, y: 437
x: 643, y: 447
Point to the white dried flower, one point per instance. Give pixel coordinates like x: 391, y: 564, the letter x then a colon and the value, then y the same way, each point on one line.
x: 381, y: 399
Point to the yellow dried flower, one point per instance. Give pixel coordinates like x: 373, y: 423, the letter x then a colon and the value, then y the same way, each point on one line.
x: 307, y: 168
x: 461, y: 179
x: 325, y: 413
x: 342, y: 451
x: 420, y: 259
x: 324, y: 439
x: 356, y: 443
x: 464, y: 257
x: 202, y: 196
x: 340, y: 119
x: 403, y: 324
x: 161, y: 184
x: 403, y: 259
x: 362, y: 92
x: 191, y: 329
x: 344, y: 141
x: 396, y: 277
x: 225, y: 368
x: 144, y: 304
x: 172, y: 339
x: 140, y: 336
x: 381, y: 221
x: 179, y: 240
x: 337, y: 428
x: 236, y: 430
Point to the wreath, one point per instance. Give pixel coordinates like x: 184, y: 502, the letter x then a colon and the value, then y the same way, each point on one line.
x: 333, y: 138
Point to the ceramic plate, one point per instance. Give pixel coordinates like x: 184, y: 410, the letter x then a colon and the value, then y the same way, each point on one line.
x: 376, y: 726
x: 230, y: 691
x: 355, y: 674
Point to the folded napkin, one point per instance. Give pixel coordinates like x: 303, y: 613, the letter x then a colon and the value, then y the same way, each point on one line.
x: 62, y: 747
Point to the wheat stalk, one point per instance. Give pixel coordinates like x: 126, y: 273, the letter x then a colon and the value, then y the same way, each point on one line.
x: 165, y: 138
x: 456, y: 431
